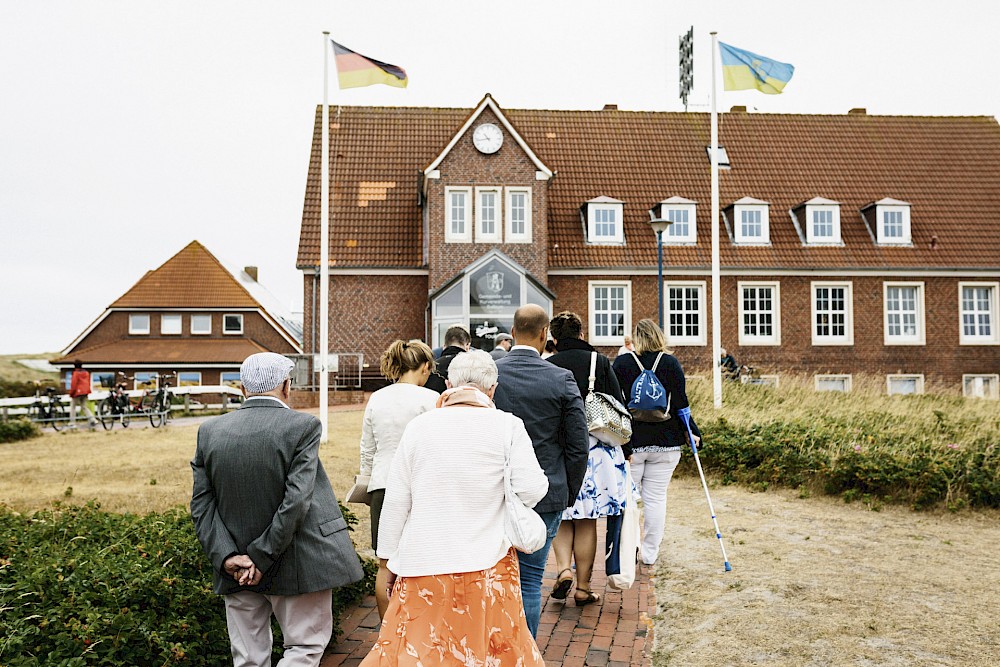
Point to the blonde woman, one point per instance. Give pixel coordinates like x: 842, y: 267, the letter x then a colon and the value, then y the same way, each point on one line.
x: 656, y: 446
x: 389, y: 410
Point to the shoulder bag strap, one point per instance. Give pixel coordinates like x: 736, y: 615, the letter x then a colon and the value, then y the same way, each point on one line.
x: 657, y: 362
x: 593, y: 372
x: 639, y: 363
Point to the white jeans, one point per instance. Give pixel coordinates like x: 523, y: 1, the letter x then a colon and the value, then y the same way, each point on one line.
x: 652, y: 472
x: 306, y: 622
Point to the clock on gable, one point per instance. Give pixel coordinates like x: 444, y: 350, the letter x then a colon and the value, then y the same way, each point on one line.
x: 487, y: 138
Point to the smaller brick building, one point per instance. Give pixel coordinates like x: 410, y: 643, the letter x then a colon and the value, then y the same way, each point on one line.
x: 192, y: 317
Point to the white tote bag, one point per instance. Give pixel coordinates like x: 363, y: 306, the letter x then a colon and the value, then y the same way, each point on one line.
x: 524, y: 528
x: 628, y: 545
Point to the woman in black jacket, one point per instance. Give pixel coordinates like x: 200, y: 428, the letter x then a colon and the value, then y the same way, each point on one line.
x: 656, y: 446
x: 603, y: 493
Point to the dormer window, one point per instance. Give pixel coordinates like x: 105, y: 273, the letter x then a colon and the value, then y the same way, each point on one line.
x: 604, y: 220
x: 821, y: 221
x: 892, y: 221
x: 751, y: 221
x: 681, y: 213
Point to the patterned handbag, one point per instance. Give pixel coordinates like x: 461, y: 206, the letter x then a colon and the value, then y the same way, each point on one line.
x: 607, y: 419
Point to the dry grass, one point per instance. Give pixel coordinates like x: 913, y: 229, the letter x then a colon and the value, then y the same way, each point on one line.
x: 15, y: 372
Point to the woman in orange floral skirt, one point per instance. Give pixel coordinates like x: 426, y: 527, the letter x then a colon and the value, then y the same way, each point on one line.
x: 454, y: 577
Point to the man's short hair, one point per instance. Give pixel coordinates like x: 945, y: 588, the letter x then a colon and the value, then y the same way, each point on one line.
x: 530, y: 321
x: 457, y: 335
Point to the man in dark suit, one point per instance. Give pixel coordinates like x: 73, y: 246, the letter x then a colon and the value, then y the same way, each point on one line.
x: 267, y: 518
x: 548, y: 401
x: 457, y: 340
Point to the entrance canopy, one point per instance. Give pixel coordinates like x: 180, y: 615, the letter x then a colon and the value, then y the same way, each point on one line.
x: 483, y: 298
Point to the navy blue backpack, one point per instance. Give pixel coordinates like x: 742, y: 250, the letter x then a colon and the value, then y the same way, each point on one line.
x: 648, y: 401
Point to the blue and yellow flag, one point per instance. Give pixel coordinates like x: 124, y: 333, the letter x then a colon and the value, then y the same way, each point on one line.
x: 742, y: 70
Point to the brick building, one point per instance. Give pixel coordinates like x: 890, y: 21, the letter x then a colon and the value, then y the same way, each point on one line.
x: 192, y: 316
x: 850, y: 244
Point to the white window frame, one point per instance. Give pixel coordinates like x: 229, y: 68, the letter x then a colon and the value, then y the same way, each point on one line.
x: 222, y: 380
x: 847, y: 379
x: 701, y: 338
x: 775, y: 337
x: 880, y: 237
x: 593, y: 338
x: 465, y: 236
x: 921, y: 336
x: 135, y: 380
x: 232, y: 333
x: 508, y: 211
x: 134, y: 329
x: 848, y: 337
x: 765, y: 226
x: 497, y: 235
x: 672, y: 238
x: 811, y: 238
x: 919, y: 377
x: 163, y: 324
x: 992, y: 394
x: 201, y: 333
x: 179, y: 373
x: 975, y: 339
x: 592, y: 209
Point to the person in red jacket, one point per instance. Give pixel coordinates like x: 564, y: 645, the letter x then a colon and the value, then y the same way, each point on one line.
x: 79, y: 391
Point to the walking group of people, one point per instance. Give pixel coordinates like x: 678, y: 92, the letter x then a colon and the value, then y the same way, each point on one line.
x: 436, y: 447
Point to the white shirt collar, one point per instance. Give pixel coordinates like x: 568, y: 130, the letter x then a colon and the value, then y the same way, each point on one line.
x: 524, y: 347
x: 269, y: 398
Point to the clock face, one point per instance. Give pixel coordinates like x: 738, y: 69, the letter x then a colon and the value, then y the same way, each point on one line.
x: 487, y: 138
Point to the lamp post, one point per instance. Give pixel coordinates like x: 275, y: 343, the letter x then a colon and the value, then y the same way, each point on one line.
x: 659, y: 226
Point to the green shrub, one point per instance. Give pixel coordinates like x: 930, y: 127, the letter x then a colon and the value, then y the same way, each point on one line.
x: 79, y: 586
x: 12, y: 430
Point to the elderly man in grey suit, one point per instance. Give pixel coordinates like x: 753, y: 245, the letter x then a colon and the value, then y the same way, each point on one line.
x: 548, y: 401
x: 267, y: 517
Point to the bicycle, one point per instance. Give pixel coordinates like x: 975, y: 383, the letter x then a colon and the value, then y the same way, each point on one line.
x: 48, y: 409
x: 115, y: 406
x: 161, y: 400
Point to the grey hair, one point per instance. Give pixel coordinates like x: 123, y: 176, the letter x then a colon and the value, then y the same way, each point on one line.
x: 475, y: 368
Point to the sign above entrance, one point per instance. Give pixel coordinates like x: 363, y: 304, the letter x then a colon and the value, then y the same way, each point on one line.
x: 494, y: 287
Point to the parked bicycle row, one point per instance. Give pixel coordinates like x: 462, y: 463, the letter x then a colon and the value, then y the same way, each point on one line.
x: 118, y: 406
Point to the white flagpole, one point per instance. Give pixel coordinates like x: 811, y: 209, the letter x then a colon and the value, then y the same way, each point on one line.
x: 324, y: 251
x: 716, y: 308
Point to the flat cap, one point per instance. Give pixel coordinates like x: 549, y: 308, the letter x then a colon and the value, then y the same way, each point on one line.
x: 502, y: 336
x: 264, y: 371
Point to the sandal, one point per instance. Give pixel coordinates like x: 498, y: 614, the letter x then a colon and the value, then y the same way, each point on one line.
x: 563, y: 584
x: 583, y: 602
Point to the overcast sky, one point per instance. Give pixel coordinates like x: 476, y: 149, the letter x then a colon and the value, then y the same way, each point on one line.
x: 130, y: 128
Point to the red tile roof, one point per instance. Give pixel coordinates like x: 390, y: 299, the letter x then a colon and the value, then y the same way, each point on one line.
x: 947, y: 168
x: 160, y: 351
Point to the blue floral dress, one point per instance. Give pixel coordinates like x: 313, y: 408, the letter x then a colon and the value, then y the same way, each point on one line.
x: 603, y: 492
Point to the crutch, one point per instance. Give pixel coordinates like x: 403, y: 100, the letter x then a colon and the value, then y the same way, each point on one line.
x: 685, y: 415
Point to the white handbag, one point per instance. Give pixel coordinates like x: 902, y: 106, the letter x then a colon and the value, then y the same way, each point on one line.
x: 524, y: 528
x: 607, y: 419
x: 628, y: 544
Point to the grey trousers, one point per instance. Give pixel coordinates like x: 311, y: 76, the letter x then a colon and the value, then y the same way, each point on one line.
x: 306, y: 622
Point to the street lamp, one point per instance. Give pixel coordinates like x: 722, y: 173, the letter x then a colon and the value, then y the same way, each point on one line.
x: 659, y: 226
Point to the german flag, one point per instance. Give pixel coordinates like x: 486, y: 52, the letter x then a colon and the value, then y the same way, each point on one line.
x: 355, y: 70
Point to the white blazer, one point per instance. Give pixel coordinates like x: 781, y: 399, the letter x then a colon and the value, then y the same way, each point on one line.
x: 388, y: 412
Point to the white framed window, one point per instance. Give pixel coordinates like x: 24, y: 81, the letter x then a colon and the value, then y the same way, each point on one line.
x: 977, y: 303
x: 232, y: 324
x: 138, y: 324
x: 201, y: 325
x: 681, y: 213
x: 102, y: 381
x: 904, y: 313
x: 610, y: 305
x: 488, y: 215
x: 823, y: 223
x: 189, y: 379
x: 760, y: 313
x: 684, y: 312
x: 751, y: 221
x: 517, y: 206
x: 170, y: 325
x: 892, y: 223
x: 904, y: 384
x: 146, y: 380
x: 832, y: 313
x: 457, y: 216
x: 981, y: 386
x: 833, y: 382
x: 760, y: 380
x: 604, y: 221
x: 230, y: 379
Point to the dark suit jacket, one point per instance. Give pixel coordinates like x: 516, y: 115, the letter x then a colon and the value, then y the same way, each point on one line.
x: 548, y: 401
x: 436, y: 381
x: 260, y: 490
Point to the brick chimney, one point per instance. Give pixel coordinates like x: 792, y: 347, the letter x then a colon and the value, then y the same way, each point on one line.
x: 858, y: 111
x: 611, y: 107
x: 251, y: 271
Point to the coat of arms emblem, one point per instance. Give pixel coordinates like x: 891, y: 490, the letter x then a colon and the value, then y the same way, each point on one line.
x: 494, y: 281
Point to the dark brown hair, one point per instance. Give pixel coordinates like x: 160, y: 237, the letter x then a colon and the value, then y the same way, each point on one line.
x: 566, y: 325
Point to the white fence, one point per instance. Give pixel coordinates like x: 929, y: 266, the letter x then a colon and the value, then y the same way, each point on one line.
x: 19, y: 406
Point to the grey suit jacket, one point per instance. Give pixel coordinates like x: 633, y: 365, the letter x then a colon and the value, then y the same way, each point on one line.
x: 260, y: 490
x: 548, y: 401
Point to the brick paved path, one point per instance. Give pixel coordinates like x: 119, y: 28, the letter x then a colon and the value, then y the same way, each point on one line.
x: 617, y: 632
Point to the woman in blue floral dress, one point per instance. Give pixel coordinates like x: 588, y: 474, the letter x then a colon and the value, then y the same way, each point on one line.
x: 603, y: 493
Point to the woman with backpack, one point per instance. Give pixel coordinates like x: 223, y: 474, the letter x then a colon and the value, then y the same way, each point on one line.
x: 658, y: 435
x: 604, y: 486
